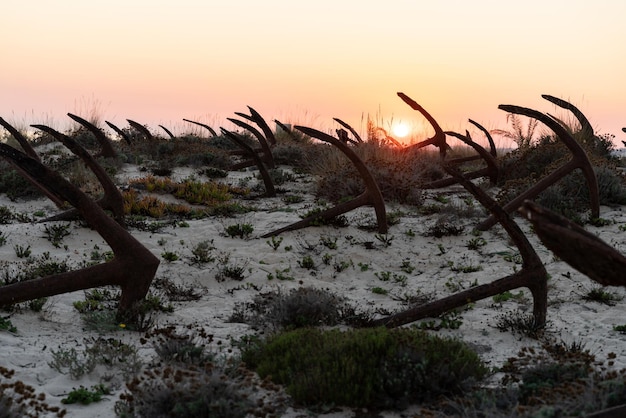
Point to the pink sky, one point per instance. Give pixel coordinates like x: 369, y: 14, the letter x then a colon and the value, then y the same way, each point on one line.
x: 158, y: 62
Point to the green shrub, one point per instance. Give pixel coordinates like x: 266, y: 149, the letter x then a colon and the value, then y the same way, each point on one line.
x: 375, y: 367
x: 85, y: 396
x: 239, y: 230
x: 301, y: 307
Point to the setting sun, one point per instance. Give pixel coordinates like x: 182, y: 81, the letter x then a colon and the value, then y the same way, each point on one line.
x: 401, y: 130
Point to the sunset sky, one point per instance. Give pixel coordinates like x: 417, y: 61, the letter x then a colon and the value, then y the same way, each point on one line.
x: 158, y: 62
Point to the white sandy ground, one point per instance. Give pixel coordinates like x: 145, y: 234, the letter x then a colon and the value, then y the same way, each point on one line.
x: 29, y: 350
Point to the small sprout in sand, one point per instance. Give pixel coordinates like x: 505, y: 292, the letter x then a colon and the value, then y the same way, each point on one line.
x: 329, y: 242
x: 56, y: 233
x: 307, y: 263
x: 384, y: 239
x: 21, y: 251
x: 379, y: 290
x: 274, y: 242
x: 6, y: 325
x: 169, y: 256
x: 406, y: 266
x: 476, y: 244
x: 281, y: 275
x: 601, y: 295
x: 201, y: 253
x: 239, y: 230
x: 341, y: 265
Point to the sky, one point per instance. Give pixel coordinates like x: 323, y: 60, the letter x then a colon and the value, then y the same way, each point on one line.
x: 157, y: 62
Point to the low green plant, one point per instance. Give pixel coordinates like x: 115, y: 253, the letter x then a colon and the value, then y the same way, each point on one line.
x: 213, y: 172
x: 36, y: 305
x: 201, y: 253
x: 329, y: 242
x: 6, y: 325
x: 292, y: 198
x: 108, y: 352
x: 384, y: 239
x: 602, y: 295
x: 281, y: 274
x: 99, y: 311
x: 85, y: 396
x: 407, y: 267
x: 174, y: 346
x: 475, y: 244
x: 454, y: 284
x: 379, y: 290
x: 386, y: 276
x: 441, y: 198
x: 342, y: 265
x: 97, y: 255
x: 21, y: 251
x: 239, y: 230
x: 169, y: 256
x: 274, y: 242
x: 56, y: 232
x: 371, y: 367
x: 620, y: 328
x: 521, y: 323
x: 3, y: 238
x: 307, y: 263
x: 443, y: 228
x: 465, y: 268
x: 508, y: 295
x: 512, y: 257
x: 173, y: 291
x: 97, y: 299
x: 228, y: 270
x: 337, y: 221
x: 6, y: 216
x: 300, y: 307
x: 280, y: 176
x: 448, y: 320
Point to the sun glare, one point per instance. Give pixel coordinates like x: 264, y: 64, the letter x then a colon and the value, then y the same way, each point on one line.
x: 401, y: 130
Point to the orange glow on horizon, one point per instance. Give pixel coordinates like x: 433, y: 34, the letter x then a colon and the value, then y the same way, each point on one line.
x: 157, y: 63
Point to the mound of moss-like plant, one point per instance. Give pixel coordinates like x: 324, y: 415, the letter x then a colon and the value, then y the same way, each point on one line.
x: 372, y: 367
